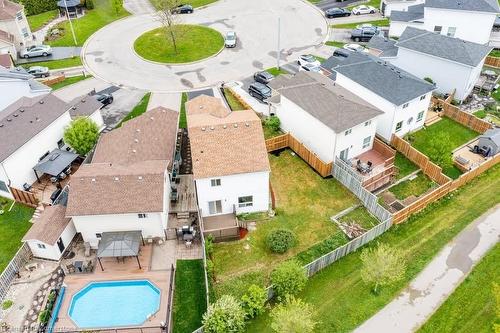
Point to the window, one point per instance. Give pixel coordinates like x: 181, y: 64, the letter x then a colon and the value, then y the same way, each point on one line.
x: 451, y: 31
x: 25, y: 32
x: 245, y: 201
x: 422, y: 97
x: 19, y: 16
x: 399, y: 126
x: 349, y: 131
x: 405, y: 105
x: 215, y: 182
x: 214, y: 207
x: 367, y: 141
x: 98, y: 235
x: 142, y: 216
x: 367, y: 123
x: 40, y: 246
x: 420, y: 116
x: 409, y: 121
x: 438, y: 29
x: 3, y: 186
x: 60, y: 143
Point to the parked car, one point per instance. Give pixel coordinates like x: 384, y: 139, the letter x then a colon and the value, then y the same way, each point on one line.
x: 183, y: 9
x: 364, y: 34
x: 39, y: 71
x: 337, y: 12
x: 105, y: 99
x: 344, y: 53
x: 259, y: 90
x: 496, y: 24
x: 308, y: 59
x: 263, y: 77
x: 36, y: 51
x: 363, y: 10
x: 230, y: 39
x: 310, y: 68
x: 355, y: 47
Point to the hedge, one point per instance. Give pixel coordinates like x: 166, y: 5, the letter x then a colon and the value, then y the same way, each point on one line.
x: 34, y: 7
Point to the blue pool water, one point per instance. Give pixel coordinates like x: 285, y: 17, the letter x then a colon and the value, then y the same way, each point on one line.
x: 114, y: 303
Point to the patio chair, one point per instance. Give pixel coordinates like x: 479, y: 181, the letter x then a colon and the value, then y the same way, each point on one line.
x: 88, y: 267
x: 71, y: 268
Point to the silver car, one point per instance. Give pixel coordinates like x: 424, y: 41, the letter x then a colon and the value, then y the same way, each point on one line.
x: 39, y: 71
x: 230, y: 39
x: 36, y: 51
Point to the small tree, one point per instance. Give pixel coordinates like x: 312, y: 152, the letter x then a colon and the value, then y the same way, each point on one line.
x: 225, y: 315
x: 253, y: 301
x: 273, y: 123
x: 169, y: 19
x: 81, y: 135
x: 117, y: 6
x: 294, y: 316
x: 280, y: 240
x: 439, y: 149
x: 382, y: 266
x: 288, y: 278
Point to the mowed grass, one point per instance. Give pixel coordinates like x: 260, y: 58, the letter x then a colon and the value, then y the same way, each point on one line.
x: 38, y: 21
x: 69, y: 80
x: 57, y: 64
x: 335, y: 43
x: 416, y: 187
x: 189, y: 297
x: 13, y: 226
x: 93, y: 20
x: 404, y: 165
x: 377, y: 23
x: 276, y: 71
x: 232, y: 101
x: 339, y: 295
x: 193, y: 43
x: 182, y: 114
x: 305, y: 202
x: 471, y: 307
x: 139, y: 109
x: 360, y: 216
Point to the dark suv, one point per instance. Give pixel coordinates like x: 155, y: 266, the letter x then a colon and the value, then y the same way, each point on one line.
x: 263, y: 77
x: 259, y: 91
x: 337, y: 12
x: 183, y: 9
x: 364, y: 34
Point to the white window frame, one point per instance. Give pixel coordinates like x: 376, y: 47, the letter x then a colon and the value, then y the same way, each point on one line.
x: 400, y: 125
x: 349, y: 131
x: 368, y: 123
x: 245, y: 203
x: 215, y: 182
x: 41, y: 246
x: 142, y: 215
x: 19, y: 16
x: 422, y: 97
x: 449, y: 34
x: 420, y: 116
x: 405, y: 105
x: 438, y: 30
x: 367, y: 141
x: 212, y: 207
x: 25, y: 32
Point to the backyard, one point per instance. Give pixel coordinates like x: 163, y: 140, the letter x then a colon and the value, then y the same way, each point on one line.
x: 412, y: 187
x: 305, y: 202
x: 404, y: 165
x: 340, y: 297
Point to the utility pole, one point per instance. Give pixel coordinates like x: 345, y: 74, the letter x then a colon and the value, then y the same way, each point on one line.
x: 279, y: 48
x: 70, y: 23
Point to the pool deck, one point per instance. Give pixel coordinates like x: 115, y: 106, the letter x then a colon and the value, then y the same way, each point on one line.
x: 114, y: 271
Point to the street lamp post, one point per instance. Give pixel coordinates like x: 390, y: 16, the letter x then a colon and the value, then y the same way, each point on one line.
x: 279, y: 48
x: 70, y: 23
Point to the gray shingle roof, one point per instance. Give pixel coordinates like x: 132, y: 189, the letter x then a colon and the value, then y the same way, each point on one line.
x: 490, y: 6
x: 331, y: 104
x: 450, y: 48
x: 414, y: 13
x: 388, y: 81
x: 84, y: 106
x: 385, y: 45
x: 493, y: 134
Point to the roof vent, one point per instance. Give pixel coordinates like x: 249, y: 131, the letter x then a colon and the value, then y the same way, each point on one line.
x: 1, y: 125
x: 247, y: 124
x: 152, y: 118
x: 37, y: 119
x: 93, y: 179
x: 15, y: 115
x: 212, y: 128
x: 117, y: 179
x: 8, y: 119
x: 41, y: 102
x: 21, y: 110
x: 134, y: 151
x: 73, y: 108
x: 203, y: 129
x: 201, y: 107
x: 140, y: 177
x: 224, y: 127
x: 83, y: 100
x: 136, y: 140
x: 137, y: 130
x: 235, y: 125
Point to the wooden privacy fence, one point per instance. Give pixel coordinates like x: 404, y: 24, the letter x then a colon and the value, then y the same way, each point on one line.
x: 288, y: 141
x: 468, y: 176
x: 26, y: 198
x: 492, y: 61
x: 23, y: 255
x: 54, y: 80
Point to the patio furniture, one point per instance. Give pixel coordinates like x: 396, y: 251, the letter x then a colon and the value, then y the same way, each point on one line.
x: 87, y: 249
x: 71, y: 268
x: 188, y: 237
x: 120, y: 244
x: 188, y: 244
x: 78, y: 266
x: 88, y: 267
x: 27, y: 187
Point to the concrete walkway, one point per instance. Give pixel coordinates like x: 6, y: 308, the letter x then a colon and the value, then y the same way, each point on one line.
x: 439, y: 279
x: 41, y: 33
x: 170, y: 101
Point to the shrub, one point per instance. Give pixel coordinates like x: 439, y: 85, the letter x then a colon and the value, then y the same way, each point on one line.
x: 280, y: 240
x: 7, y: 304
x: 253, y: 301
x: 273, y: 123
x: 210, y: 270
x: 81, y: 135
x: 288, y: 278
x: 209, y: 246
x: 89, y: 4
x: 225, y: 315
x: 44, y: 317
x: 293, y: 316
x: 34, y: 7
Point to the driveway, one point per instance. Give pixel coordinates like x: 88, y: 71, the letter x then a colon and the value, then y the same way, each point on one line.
x: 57, y: 53
x: 355, y: 18
x: 439, y: 279
x: 109, y: 53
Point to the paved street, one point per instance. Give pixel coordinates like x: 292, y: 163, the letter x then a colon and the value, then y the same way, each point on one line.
x: 138, y: 7
x: 325, y: 4
x: 109, y: 54
x: 439, y: 279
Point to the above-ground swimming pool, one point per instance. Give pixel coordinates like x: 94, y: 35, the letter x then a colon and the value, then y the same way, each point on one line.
x: 114, y: 304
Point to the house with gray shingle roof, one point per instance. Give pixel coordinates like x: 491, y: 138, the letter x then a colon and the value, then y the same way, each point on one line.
x: 388, y: 7
x: 13, y: 21
x: 452, y: 63
x: 470, y: 20
x: 403, y: 97
x: 16, y: 83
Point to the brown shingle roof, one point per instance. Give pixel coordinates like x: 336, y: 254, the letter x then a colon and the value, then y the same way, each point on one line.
x: 222, y: 146
x: 49, y: 226
x: 9, y: 9
x: 104, y: 188
x: 6, y: 61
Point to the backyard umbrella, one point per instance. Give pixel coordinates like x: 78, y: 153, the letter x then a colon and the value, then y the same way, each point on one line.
x: 120, y: 244
x: 55, y: 162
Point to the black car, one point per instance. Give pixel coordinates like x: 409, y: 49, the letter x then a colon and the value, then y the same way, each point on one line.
x: 263, y: 77
x: 183, y: 9
x: 364, y: 34
x: 259, y: 91
x: 105, y: 99
x: 337, y: 12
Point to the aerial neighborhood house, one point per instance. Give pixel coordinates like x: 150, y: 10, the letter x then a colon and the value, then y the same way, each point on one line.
x: 127, y: 185
x: 387, y: 6
x: 470, y: 20
x: 19, y: 84
x: 13, y: 22
x: 31, y: 138
x: 402, y: 97
x: 7, y: 46
x: 230, y: 164
x: 451, y: 63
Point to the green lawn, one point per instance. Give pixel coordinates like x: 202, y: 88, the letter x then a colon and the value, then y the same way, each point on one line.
x: 373, y: 3
x: 416, y: 187
x: 137, y: 110
x: 13, y: 226
x: 481, y: 114
x: 37, y: 22
x: 335, y: 43
x: 269, y: 132
x: 305, y: 202
x: 404, y: 165
x: 495, y: 53
x: 275, y: 71
x: 360, y: 216
x: 377, y: 23
x: 57, y: 64
x: 93, y: 20
x: 69, y: 80
x: 189, y: 297
x: 471, y: 307
x: 182, y: 115
x: 457, y: 133
x: 343, y: 301
x: 194, y: 43
x: 232, y: 101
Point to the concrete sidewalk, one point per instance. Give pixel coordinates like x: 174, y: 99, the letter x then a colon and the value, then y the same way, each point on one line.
x: 438, y: 280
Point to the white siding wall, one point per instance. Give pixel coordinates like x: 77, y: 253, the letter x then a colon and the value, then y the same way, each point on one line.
x: 15, y: 27
x: 354, y: 140
x: 16, y: 89
x: 5, y: 179
x: 396, y: 28
x: 400, y: 6
x: 19, y: 165
x: 232, y: 187
x: 7, y: 48
x: 97, y: 118
x: 52, y: 251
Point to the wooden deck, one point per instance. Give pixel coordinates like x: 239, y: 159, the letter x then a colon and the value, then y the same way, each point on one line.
x: 187, y: 196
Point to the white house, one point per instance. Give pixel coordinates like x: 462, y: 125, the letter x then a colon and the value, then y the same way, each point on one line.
x: 16, y: 83
x: 402, y: 97
x: 470, y: 20
x: 126, y: 187
x: 230, y: 164
x: 387, y: 6
x: 451, y: 63
x: 13, y: 21
x: 7, y: 45
x: 325, y: 117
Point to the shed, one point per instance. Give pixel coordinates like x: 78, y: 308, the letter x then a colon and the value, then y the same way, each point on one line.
x: 491, y: 140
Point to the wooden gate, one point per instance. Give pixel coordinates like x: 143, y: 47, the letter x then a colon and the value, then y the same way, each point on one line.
x: 26, y: 198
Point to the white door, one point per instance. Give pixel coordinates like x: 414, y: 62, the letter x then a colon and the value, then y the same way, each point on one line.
x: 214, y: 207
x: 344, y: 154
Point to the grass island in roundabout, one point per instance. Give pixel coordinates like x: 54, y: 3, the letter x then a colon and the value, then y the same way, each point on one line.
x: 194, y: 43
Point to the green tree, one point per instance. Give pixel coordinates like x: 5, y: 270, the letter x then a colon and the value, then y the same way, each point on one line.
x: 117, y: 6
x: 439, y: 149
x: 288, y: 278
x: 382, y: 266
x: 82, y: 134
x: 224, y: 316
x: 280, y: 240
x: 293, y: 316
x: 273, y: 122
x: 253, y: 301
